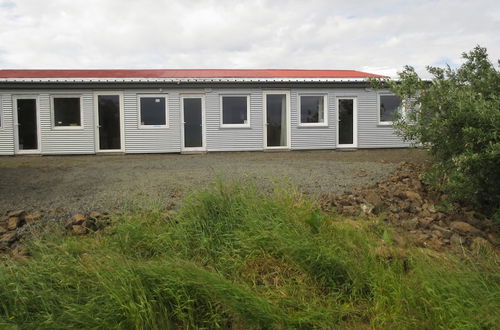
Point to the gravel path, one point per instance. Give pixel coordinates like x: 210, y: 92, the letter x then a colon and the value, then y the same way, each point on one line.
x: 84, y: 183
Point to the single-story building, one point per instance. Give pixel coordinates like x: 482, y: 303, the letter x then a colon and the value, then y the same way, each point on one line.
x: 161, y: 111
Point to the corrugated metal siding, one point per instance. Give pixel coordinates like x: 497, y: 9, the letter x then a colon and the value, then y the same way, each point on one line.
x: 155, y: 140
x: 67, y: 141
x: 370, y: 133
x: 7, y: 126
x: 234, y: 139
x: 312, y: 137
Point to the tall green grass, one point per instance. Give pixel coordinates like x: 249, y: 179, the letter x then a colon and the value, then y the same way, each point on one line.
x: 234, y: 257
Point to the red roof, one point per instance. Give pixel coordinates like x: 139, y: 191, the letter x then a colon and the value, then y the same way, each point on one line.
x: 186, y: 73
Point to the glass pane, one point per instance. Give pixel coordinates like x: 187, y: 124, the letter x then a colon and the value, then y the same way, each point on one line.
x: 153, y: 111
x: 276, y: 120
x: 193, y: 126
x: 346, y: 119
x: 311, y: 109
x: 27, y: 129
x: 109, y: 122
x: 67, y: 111
x: 234, y: 110
x: 389, y: 107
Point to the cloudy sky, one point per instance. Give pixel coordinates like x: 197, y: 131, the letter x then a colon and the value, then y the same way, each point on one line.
x: 375, y: 36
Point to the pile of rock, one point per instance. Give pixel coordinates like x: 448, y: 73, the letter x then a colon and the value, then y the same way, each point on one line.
x: 81, y: 224
x: 10, y: 225
x: 406, y: 202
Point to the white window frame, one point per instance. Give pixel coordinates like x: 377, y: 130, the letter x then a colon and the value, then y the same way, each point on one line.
x: 325, y: 110
x: 53, y: 112
x: 1, y: 112
x: 245, y: 125
x: 139, y: 121
x: 379, y: 103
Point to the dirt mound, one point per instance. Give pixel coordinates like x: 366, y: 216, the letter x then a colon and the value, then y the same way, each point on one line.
x: 408, y: 203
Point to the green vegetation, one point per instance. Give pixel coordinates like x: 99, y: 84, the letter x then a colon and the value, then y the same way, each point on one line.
x: 237, y: 258
x: 457, y: 115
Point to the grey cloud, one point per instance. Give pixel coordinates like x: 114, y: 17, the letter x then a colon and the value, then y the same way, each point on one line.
x: 375, y: 36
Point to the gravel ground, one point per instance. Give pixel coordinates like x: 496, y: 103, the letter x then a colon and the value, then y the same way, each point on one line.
x: 84, y: 183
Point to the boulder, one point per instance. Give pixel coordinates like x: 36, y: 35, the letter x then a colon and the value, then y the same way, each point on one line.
x: 446, y: 233
x: 95, y: 215
x: 78, y: 219
x: 413, y: 196
x: 17, y: 213
x: 374, y: 199
x: 31, y: 217
x: 410, y: 224
x: 456, y: 240
x: 6, y: 239
x: 79, y: 230
x: 14, y: 222
x: 464, y: 227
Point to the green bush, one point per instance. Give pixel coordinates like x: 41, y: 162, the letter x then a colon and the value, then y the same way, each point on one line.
x: 237, y: 258
x: 457, y: 116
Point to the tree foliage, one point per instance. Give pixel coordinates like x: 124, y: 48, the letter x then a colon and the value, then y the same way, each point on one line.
x: 457, y: 116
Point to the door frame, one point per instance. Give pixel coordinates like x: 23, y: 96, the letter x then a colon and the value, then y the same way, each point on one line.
x: 96, y: 121
x: 288, y: 121
x: 203, y: 122
x: 16, y: 124
x: 354, y: 121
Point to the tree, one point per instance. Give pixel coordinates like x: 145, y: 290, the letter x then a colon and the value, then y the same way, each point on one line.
x: 456, y: 115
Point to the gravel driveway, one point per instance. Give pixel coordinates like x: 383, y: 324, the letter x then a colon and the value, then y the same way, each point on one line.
x: 84, y: 183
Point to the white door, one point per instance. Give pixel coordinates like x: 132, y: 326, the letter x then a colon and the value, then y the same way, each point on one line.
x: 276, y: 119
x: 347, y: 122
x: 193, y: 122
x: 27, y: 125
x: 109, y: 121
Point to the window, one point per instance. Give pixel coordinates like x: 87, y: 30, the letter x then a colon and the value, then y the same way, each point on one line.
x: 235, y: 111
x: 389, y: 108
x: 153, y: 111
x: 67, y: 111
x: 313, y: 110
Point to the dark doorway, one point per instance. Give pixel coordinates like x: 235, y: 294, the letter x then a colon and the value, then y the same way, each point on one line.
x: 109, y: 122
x: 276, y: 117
x: 27, y: 129
x: 193, y: 122
x: 346, y: 121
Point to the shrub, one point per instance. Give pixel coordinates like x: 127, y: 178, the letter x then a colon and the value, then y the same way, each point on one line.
x: 457, y: 116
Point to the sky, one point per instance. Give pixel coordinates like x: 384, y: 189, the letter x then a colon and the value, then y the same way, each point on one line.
x: 376, y: 36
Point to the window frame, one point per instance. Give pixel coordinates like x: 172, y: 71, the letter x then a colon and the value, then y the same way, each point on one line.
x: 379, y: 103
x: 53, y: 111
x: 1, y: 111
x: 221, y: 99
x: 139, y: 114
x: 325, y: 110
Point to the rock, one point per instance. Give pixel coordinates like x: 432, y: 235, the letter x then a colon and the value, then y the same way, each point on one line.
x: 6, y: 239
x: 19, y: 252
x: 374, y: 199
x: 95, y: 215
x: 445, y: 232
x: 410, y: 224
x: 35, y: 216
x: 14, y: 223
x: 350, y: 210
x: 479, y: 243
x: 464, y: 227
x: 17, y: 213
x: 367, y: 208
x: 493, y: 238
x: 456, y: 240
x: 413, y: 196
x: 79, y: 230
x: 2, y: 230
x: 78, y: 219
x: 425, y: 222
x: 56, y: 211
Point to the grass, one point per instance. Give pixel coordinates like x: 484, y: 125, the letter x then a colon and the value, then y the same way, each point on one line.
x: 237, y: 258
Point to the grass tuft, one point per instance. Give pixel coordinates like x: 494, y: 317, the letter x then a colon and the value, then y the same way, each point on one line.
x: 234, y: 257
